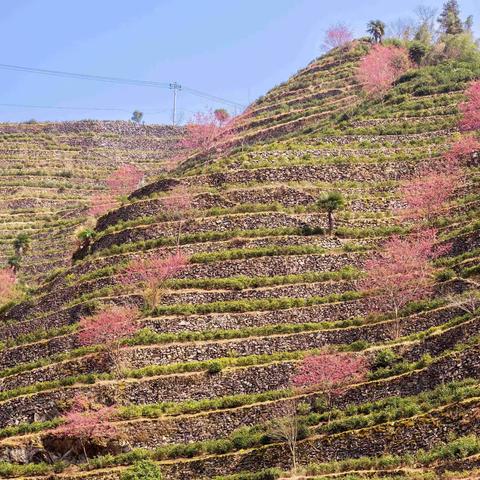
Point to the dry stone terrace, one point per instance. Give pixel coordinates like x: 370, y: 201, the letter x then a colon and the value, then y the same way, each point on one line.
x: 265, y: 286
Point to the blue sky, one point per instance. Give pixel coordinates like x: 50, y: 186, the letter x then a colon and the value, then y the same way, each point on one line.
x: 235, y: 49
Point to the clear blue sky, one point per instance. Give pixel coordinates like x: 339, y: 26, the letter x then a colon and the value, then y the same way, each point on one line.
x: 236, y: 49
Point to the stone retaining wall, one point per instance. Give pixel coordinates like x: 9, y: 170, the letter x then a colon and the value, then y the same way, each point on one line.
x: 255, y: 379
x: 312, y: 173
x: 143, y: 356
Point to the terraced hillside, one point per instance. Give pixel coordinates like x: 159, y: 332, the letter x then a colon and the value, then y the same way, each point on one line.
x: 265, y: 287
x: 49, y: 171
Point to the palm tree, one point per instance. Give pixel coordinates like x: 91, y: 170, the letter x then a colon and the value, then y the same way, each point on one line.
x: 329, y: 203
x: 376, y: 28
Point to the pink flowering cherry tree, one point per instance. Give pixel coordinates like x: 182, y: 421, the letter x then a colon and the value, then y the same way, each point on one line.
x: 124, y: 180
x: 8, y: 281
x: 462, y: 150
x: 119, y: 184
x: 109, y: 328
x: 152, y: 273
x: 426, y: 194
x: 327, y: 373
x: 101, y: 203
x: 381, y: 67
x: 330, y: 373
x: 401, y: 272
x: 470, y: 109
x: 336, y: 36
x: 88, y: 424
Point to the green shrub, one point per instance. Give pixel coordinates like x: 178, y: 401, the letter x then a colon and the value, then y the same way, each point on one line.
x: 385, y: 358
x: 445, y: 275
x: 214, y: 367
x: 142, y: 470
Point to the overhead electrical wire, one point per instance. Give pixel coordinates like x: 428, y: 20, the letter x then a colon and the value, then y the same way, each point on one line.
x: 108, y: 109
x: 116, y: 80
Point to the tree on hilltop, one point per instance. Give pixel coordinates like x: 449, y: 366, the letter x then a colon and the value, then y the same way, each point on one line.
x: 337, y: 36
x: 201, y: 133
x: 221, y: 115
x: 379, y: 69
x: 376, y: 29
x: 449, y: 19
x: 206, y: 132
x: 426, y: 23
x: 137, y: 116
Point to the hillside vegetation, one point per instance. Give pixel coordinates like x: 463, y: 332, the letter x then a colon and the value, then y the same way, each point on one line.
x: 208, y: 328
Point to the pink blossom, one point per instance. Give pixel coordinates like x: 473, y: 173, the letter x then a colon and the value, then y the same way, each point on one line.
x: 153, y: 272
x: 381, y: 67
x: 337, y: 36
x: 101, y: 203
x: 124, y: 180
x: 86, y: 422
x: 462, y: 150
x: 401, y: 273
x: 330, y: 372
x: 7, y: 284
x: 108, y: 327
x: 470, y: 109
x: 426, y: 194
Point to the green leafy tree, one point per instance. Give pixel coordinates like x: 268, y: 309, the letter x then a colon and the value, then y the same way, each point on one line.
x: 21, y: 244
x: 417, y: 52
x: 461, y: 47
x: 85, y: 238
x: 329, y: 203
x: 469, y: 23
x: 376, y: 28
x: 449, y: 18
x: 14, y: 263
x: 137, y: 116
x: 142, y: 470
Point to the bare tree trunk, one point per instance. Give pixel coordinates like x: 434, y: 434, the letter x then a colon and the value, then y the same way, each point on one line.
x: 330, y: 222
x: 85, y: 452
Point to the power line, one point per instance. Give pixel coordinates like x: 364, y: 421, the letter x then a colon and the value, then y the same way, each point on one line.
x: 114, y: 80
x: 51, y: 107
x: 107, y: 109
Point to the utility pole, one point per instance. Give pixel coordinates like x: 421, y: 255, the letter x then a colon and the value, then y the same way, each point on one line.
x: 174, y: 86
